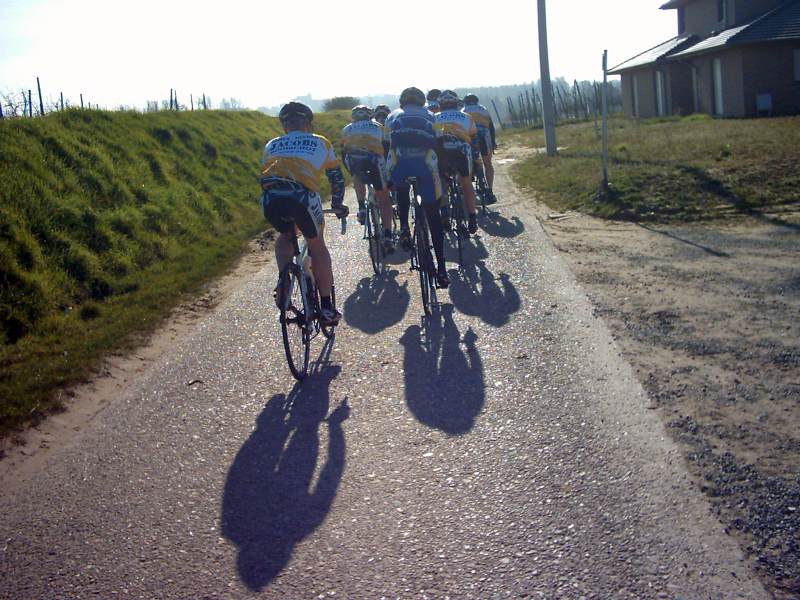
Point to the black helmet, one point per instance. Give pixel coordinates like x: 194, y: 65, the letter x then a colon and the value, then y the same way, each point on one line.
x: 448, y: 99
x: 412, y: 95
x: 295, y: 110
x: 470, y: 99
x: 433, y: 94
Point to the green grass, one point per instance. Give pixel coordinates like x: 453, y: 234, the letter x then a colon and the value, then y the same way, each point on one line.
x: 673, y: 169
x: 107, y: 220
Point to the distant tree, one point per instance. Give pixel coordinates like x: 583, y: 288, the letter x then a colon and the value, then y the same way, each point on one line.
x: 341, y: 103
x: 231, y: 104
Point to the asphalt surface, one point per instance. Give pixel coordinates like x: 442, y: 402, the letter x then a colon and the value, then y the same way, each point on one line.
x: 501, y: 448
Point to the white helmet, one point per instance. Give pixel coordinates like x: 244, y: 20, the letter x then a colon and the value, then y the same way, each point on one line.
x: 361, y: 113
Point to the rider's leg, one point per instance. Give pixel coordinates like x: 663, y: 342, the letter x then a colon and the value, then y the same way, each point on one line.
x: 385, y: 204
x: 403, y: 205
x: 361, y: 191
x: 321, y: 263
x: 489, y: 170
x: 469, y: 194
x: 284, y: 249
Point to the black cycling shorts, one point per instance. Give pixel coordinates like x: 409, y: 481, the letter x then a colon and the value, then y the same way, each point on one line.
x: 370, y: 168
x: 287, y: 203
x: 455, y: 155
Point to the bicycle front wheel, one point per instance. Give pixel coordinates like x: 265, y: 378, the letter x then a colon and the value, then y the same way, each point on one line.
x: 295, y: 325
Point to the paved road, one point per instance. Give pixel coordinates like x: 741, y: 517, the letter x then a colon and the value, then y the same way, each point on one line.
x: 502, y: 449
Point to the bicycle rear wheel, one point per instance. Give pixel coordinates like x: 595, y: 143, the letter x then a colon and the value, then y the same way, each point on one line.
x: 375, y: 238
x: 425, y: 263
x: 295, y: 325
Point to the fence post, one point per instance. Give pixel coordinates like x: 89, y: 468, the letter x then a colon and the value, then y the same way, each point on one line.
x: 497, y: 112
x: 1, y: 110
x: 177, y: 106
x: 62, y: 101
x: 191, y: 100
x: 81, y: 101
x: 605, y: 123
x: 41, y: 102
x: 30, y: 105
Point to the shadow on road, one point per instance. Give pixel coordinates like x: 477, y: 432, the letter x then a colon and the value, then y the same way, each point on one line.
x: 444, y: 386
x: 495, y: 224
x: 377, y: 303
x: 474, y: 291
x: 269, y: 504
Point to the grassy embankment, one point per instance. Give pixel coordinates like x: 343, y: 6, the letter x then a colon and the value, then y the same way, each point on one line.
x: 107, y: 220
x: 676, y: 169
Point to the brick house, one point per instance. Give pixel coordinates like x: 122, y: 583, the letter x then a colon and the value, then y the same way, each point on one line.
x: 731, y: 58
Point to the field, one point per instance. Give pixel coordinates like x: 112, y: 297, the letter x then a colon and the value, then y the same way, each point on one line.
x: 107, y: 220
x: 676, y: 169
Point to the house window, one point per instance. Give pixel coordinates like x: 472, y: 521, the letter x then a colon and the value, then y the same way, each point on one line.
x: 661, y: 100
x: 681, y: 20
x: 797, y: 64
x: 722, y: 11
x: 719, y: 106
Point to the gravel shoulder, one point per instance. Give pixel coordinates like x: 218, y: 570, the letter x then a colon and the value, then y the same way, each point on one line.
x: 709, y: 318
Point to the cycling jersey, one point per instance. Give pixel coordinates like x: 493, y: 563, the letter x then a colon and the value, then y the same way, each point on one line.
x: 456, y: 123
x: 413, y: 150
x: 363, y: 136
x: 482, y: 117
x: 302, y: 157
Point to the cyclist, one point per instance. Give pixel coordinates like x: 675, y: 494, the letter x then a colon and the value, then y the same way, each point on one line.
x: 362, y: 149
x: 413, y: 154
x: 458, y: 137
x: 486, y: 136
x: 291, y: 169
x: 380, y: 113
x: 433, y: 100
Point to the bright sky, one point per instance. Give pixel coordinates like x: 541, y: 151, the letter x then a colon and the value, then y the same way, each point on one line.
x: 265, y: 53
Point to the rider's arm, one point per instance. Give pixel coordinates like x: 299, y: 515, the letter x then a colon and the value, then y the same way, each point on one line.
x: 336, y: 179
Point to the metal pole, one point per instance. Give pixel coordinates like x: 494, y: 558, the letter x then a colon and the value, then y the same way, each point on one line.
x: 41, y: 103
x: 605, y: 121
x: 547, y: 88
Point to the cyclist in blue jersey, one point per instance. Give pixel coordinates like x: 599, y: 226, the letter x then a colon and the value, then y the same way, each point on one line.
x: 486, y: 136
x: 412, y: 153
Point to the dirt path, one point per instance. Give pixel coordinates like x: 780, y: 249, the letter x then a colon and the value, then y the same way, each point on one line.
x: 709, y: 316
x: 501, y: 448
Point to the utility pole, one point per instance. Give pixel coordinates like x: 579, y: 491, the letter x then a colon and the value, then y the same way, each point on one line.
x: 605, y: 122
x: 547, y: 88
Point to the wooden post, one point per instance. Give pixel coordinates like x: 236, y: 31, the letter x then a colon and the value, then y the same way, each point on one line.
x: 605, y: 122
x: 176, y: 100
x: 547, y: 89
x: 497, y: 112
x: 81, y: 101
x: 1, y: 110
x: 30, y: 105
x: 191, y: 101
x: 41, y: 102
x: 62, y: 101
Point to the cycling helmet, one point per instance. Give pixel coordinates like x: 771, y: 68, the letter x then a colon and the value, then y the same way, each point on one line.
x: 412, y: 95
x: 295, y: 110
x: 361, y: 113
x: 381, y: 111
x: 470, y: 99
x: 448, y: 99
x: 433, y: 95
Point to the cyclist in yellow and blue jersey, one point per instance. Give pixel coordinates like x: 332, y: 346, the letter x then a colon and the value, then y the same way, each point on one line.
x: 459, y: 136
x: 291, y: 170
x: 413, y: 154
x: 432, y: 103
x: 486, y: 135
x: 363, y: 153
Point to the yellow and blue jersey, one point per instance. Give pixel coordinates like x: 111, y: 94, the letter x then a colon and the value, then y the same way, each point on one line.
x: 364, y: 136
x: 456, y: 123
x: 482, y: 117
x: 299, y: 156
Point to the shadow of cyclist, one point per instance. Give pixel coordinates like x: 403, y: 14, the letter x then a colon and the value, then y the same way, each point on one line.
x: 377, y: 303
x: 496, y: 225
x: 269, y: 504
x: 444, y: 384
x: 474, y: 291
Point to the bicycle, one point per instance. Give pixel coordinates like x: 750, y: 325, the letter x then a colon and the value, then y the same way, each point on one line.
x: 458, y: 229
x: 300, y: 309
x: 422, y: 251
x: 481, y: 188
x: 374, y: 232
